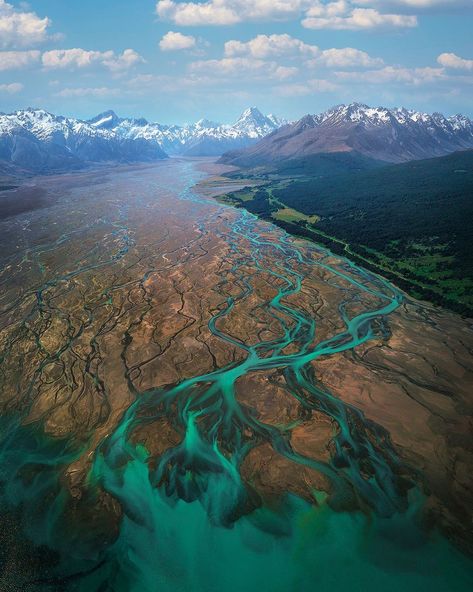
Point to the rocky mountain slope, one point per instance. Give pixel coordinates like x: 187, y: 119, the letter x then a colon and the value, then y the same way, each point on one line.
x: 390, y: 135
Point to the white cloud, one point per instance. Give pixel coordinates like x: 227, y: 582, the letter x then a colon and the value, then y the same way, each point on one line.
x: 102, y: 91
x: 273, y: 58
x: 228, y: 12
x: 414, y: 76
x: 309, y: 87
x: 174, y: 41
x: 285, y: 46
x: 69, y: 58
x: 451, y: 60
x: 347, y: 57
x: 123, y: 62
x: 12, y: 88
x: 193, y: 13
x: 418, y: 3
x: 282, y: 72
x: 73, y: 58
x: 317, y: 14
x: 81, y: 58
x: 14, y: 60
x: 242, y: 67
x: 343, y: 15
x: 21, y: 29
x: 265, y: 46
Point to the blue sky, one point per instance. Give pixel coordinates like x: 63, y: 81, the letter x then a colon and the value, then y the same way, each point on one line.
x: 175, y: 61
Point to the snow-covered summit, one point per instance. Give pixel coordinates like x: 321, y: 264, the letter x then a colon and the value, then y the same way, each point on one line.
x: 110, y: 137
x: 255, y: 124
x: 380, y: 133
x: 203, y: 138
x: 363, y: 114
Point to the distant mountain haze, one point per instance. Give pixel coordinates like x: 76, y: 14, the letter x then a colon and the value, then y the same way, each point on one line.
x: 389, y: 135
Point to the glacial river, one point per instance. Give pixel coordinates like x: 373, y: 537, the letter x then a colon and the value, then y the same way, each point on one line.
x: 84, y: 365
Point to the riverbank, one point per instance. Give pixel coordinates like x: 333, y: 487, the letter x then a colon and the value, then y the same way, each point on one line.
x: 412, y: 233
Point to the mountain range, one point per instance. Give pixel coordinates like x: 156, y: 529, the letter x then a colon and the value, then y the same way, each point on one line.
x: 388, y: 135
x: 34, y: 140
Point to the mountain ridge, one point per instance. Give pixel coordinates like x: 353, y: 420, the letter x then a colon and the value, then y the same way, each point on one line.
x: 203, y: 138
x: 389, y: 135
x: 38, y: 141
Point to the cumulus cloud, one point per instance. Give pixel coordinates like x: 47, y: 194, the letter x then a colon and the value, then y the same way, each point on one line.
x: 414, y: 76
x: 174, y: 41
x: 419, y: 4
x: 15, y: 60
x: 317, y: 14
x: 280, y: 57
x: 81, y: 58
x: 311, y: 86
x: 74, y: 58
x: 451, y: 60
x: 69, y: 59
x: 125, y: 61
x: 265, y: 46
x: 285, y: 46
x: 347, y: 57
x: 343, y: 15
x: 242, y: 66
x: 12, y: 88
x: 101, y: 91
x: 21, y: 29
x: 193, y: 13
x: 228, y: 12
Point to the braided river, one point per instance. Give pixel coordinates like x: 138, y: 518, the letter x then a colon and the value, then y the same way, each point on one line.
x: 167, y: 418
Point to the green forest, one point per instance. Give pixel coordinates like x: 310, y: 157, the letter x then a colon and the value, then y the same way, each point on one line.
x: 409, y: 222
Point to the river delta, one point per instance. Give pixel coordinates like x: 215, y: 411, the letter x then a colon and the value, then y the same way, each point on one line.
x: 191, y: 399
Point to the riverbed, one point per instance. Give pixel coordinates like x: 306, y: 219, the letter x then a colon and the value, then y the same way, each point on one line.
x: 194, y: 400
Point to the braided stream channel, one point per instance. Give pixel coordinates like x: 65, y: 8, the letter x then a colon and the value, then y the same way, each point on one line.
x: 160, y: 389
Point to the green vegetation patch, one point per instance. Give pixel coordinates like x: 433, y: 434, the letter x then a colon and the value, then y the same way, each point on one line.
x: 410, y: 222
x: 292, y: 215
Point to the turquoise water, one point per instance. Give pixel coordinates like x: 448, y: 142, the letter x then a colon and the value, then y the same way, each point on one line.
x: 182, y: 527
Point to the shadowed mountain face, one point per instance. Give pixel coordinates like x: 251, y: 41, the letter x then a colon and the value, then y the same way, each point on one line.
x: 391, y: 135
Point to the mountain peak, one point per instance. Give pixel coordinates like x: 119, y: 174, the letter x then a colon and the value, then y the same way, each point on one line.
x: 253, y: 122
x: 206, y: 123
x: 107, y: 135
x: 252, y: 114
x: 380, y: 133
x: 106, y: 120
x: 36, y: 112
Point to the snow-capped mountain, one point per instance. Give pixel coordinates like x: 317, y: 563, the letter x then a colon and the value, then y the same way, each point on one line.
x: 390, y: 135
x: 203, y: 138
x: 38, y: 141
x: 35, y: 140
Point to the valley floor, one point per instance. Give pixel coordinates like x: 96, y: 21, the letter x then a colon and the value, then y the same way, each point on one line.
x: 407, y: 222
x: 191, y: 399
